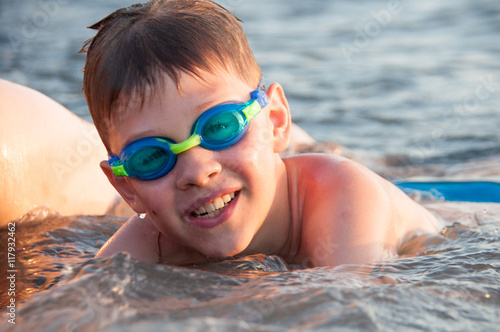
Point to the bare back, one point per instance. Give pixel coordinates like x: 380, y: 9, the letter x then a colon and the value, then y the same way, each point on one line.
x: 49, y: 156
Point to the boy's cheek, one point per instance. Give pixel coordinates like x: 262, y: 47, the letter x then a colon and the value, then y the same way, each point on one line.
x: 154, y: 194
x: 264, y: 139
x: 258, y: 148
x: 249, y: 162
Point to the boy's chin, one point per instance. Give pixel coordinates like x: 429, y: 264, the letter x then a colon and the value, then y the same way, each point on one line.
x: 225, y: 251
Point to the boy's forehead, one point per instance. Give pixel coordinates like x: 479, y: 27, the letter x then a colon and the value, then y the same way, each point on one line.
x: 183, y: 101
x: 195, y: 89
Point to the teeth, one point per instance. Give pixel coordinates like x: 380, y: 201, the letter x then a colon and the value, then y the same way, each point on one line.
x: 200, y: 210
x: 226, y: 198
x: 218, y: 203
x: 214, y: 208
x: 210, y: 207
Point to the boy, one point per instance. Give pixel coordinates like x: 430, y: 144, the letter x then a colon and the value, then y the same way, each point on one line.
x: 194, y: 139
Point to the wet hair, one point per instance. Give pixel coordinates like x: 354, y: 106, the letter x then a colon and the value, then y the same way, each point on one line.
x: 135, y: 46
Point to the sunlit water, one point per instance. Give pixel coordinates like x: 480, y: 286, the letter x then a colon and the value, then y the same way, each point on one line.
x: 417, y: 94
x: 452, y: 286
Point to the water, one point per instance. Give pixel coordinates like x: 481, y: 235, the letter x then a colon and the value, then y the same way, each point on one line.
x: 416, y: 94
x: 453, y: 286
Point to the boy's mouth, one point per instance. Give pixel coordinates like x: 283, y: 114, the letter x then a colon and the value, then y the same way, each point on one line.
x: 213, y: 208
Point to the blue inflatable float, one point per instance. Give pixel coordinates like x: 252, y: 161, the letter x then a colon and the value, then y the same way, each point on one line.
x: 465, y: 191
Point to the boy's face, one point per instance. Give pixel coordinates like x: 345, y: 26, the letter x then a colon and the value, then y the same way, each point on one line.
x: 248, y: 170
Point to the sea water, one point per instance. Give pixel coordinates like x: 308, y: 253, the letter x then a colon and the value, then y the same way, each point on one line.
x: 453, y: 286
x: 410, y: 87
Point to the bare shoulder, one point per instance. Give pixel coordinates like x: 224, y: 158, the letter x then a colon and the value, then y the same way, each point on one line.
x: 138, y: 237
x: 315, y: 171
x: 332, y: 182
x: 348, y: 213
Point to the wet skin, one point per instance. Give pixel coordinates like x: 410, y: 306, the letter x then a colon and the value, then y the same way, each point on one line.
x: 48, y: 155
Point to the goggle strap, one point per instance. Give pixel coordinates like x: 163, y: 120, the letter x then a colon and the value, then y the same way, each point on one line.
x: 119, y: 170
x: 252, y: 110
x: 260, y: 97
x: 260, y: 100
x: 117, y: 166
x: 191, y: 142
x: 262, y: 84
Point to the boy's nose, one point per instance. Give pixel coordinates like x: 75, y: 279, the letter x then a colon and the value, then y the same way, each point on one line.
x: 196, y: 167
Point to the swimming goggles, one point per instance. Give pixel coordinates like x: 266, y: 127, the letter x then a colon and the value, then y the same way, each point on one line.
x: 218, y: 128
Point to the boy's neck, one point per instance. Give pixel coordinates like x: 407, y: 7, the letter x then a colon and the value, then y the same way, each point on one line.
x: 294, y: 210
x: 275, y: 235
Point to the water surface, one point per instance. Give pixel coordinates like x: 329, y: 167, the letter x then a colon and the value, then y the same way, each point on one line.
x: 453, y: 286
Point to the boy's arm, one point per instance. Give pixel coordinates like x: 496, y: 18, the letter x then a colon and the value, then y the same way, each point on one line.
x: 138, y: 237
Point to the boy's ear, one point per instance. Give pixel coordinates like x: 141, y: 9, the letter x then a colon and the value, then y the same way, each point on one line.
x: 279, y: 114
x: 123, y: 187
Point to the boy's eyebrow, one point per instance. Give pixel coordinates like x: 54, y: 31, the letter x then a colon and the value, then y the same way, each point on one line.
x: 212, y: 103
x: 200, y: 108
x: 209, y: 104
x: 147, y: 133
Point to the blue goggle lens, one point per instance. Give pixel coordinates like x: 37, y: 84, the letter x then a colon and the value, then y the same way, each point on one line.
x: 223, y: 127
x: 148, y: 160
